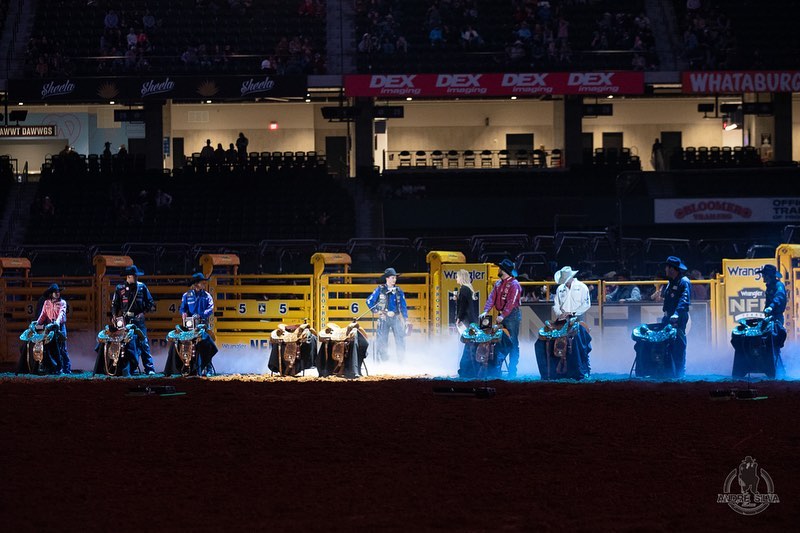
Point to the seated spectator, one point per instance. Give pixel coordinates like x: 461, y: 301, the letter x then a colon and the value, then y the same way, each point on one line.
x: 365, y: 44
x: 470, y: 39
x: 436, y: 37
x: 111, y: 19
x: 268, y: 65
x: 624, y: 293
x: 148, y: 21
x: 219, y: 155
x: 231, y: 155
x: 207, y: 153
x: 401, y: 45
x: 131, y: 38
x: 700, y: 291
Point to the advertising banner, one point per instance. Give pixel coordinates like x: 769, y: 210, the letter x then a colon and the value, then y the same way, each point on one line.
x: 156, y: 88
x: 494, y: 84
x: 744, y: 291
x: 716, y: 210
x: 737, y: 82
x: 23, y: 132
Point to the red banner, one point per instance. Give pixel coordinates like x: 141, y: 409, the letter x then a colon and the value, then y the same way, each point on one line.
x: 501, y: 84
x: 737, y: 82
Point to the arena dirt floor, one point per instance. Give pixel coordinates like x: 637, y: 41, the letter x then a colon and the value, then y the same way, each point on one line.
x: 262, y: 454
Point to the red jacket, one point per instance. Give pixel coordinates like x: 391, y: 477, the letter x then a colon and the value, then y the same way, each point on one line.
x: 53, y: 312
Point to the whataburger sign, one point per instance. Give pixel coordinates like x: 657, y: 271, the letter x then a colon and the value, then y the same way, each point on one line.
x: 499, y: 84
x: 748, y: 81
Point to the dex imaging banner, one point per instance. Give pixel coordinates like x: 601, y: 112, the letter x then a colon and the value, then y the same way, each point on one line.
x: 726, y: 210
x: 493, y: 84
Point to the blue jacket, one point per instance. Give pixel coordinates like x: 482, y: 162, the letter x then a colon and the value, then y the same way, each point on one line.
x: 132, y: 298
x: 197, y: 303
x: 382, y: 299
x: 677, y: 297
x: 776, y: 299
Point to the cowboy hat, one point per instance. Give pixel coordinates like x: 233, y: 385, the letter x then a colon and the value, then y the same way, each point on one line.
x: 389, y: 272
x: 564, y: 275
x: 51, y: 289
x: 132, y: 270
x: 675, y: 262
x: 769, y: 270
x: 507, y: 266
x: 197, y: 277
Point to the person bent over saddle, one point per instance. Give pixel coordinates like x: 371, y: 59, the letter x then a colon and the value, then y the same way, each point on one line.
x: 197, y: 307
x: 677, y: 299
x: 505, y: 298
x: 53, y: 321
x: 757, y: 343
x: 389, y: 302
x: 562, y: 351
x: 132, y: 300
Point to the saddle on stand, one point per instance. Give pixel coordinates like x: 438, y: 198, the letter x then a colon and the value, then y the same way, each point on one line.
x: 556, y: 351
x: 288, y: 345
x: 338, y: 347
x: 36, y: 337
x: 654, y: 345
x: 757, y: 343
x: 482, y: 341
x: 185, y: 339
x: 114, y: 344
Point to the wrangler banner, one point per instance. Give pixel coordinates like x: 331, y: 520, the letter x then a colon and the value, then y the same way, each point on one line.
x: 498, y: 84
x: 744, y: 291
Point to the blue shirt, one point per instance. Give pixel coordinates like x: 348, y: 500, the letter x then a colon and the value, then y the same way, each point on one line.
x: 382, y: 299
x: 197, y: 303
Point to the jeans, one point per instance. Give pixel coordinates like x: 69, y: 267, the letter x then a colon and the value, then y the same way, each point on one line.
x: 397, y: 326
x: 512, y: 323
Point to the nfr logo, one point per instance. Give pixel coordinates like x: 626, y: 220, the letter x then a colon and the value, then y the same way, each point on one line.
x: 259, y: 344
x: 748, y: 303
x: 399, y: 81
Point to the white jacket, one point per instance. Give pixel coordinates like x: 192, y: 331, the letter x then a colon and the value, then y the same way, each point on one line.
x: 574, y: 300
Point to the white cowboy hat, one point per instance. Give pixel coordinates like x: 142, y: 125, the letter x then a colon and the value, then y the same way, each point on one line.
x: 564, y: 275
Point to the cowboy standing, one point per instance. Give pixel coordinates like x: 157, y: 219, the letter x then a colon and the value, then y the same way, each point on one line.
x: 677, y: 298
x: 132, y: 300
x: 389, y: 301
x: 572, y: 296
x: 573, y: 300
x: 775, y: 298
x: 54, y: 316
x: 505, y: 298
x: 197, y: 302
